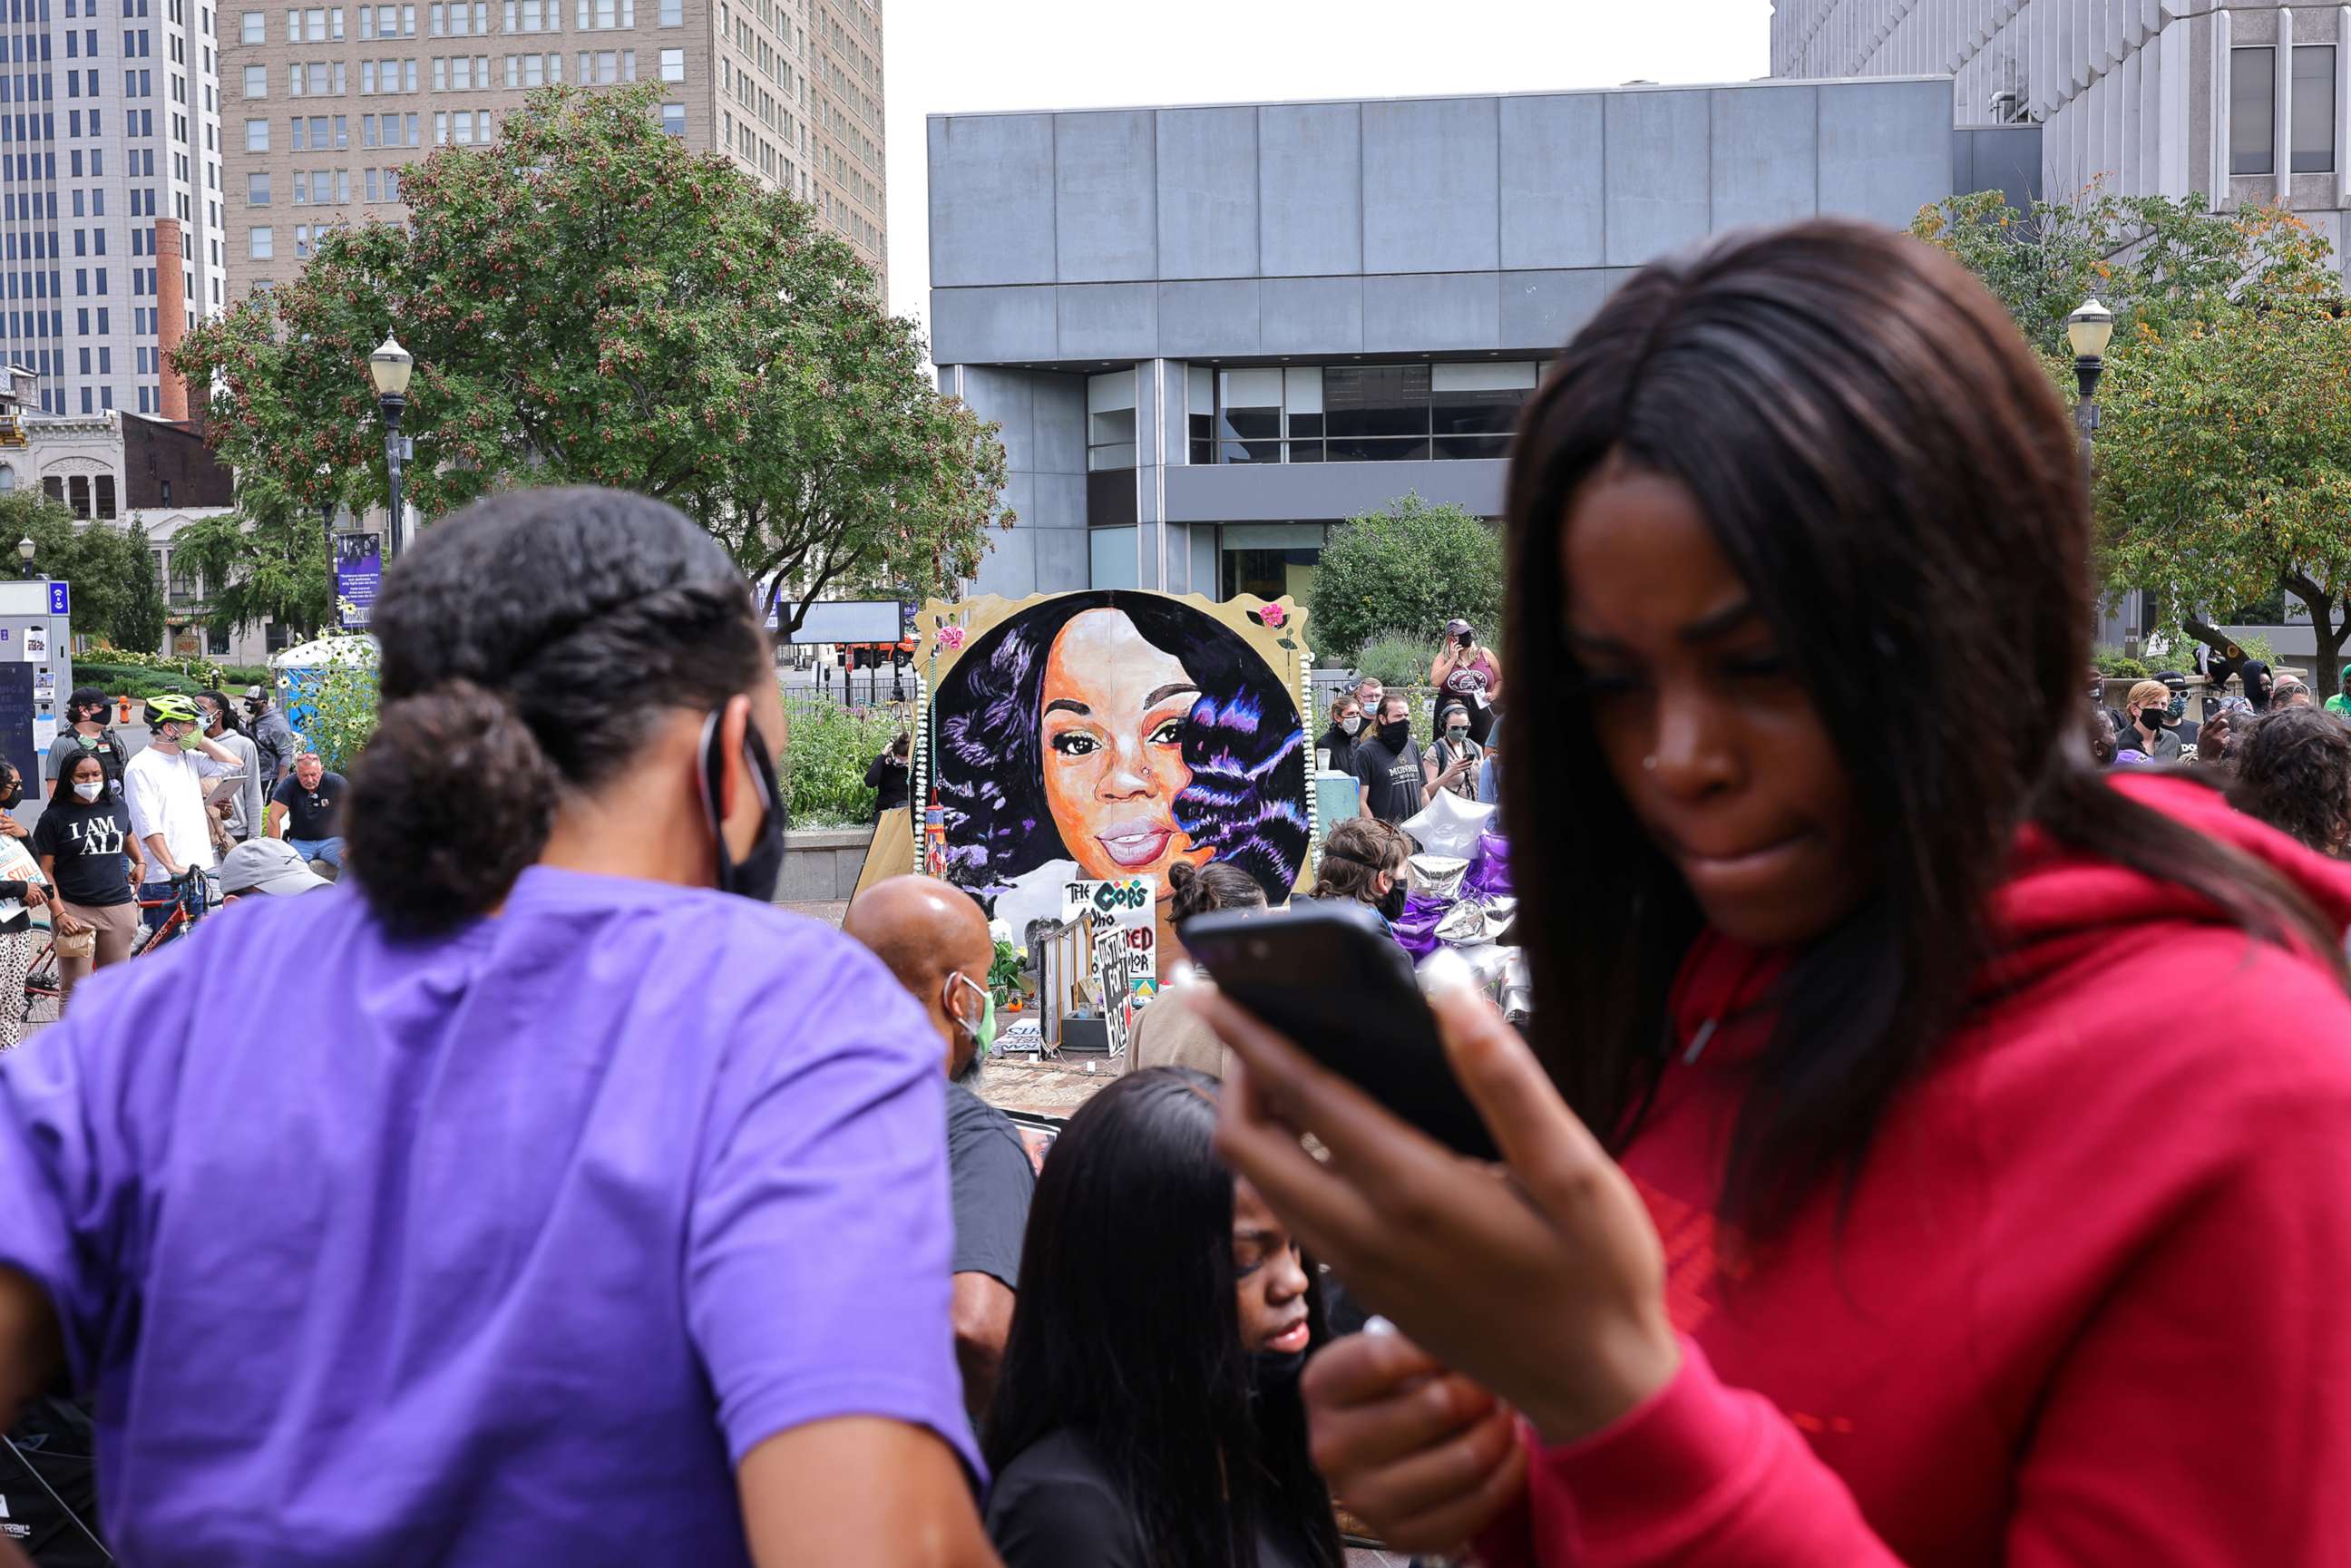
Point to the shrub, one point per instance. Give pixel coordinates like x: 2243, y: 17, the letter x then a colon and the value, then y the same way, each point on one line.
x: 1397, y: 659
x: 1409, y: 569
x: 826, y: 758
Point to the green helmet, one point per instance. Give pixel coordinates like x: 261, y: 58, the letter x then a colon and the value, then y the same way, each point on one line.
x: 170, y: 707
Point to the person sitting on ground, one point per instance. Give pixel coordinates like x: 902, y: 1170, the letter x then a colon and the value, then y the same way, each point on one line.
x: 2292, y: 770
x: 242, y: 795
x: 2148, y: 705
x: 886, y: 777
x: 307, y: 810
x: 1452, y: 762
x: 935, y: 939
x: 86, y: 732
x: 94, y: 864
x: 267, y: 867
x: 583, y: 1207
x: 1148, y: 1415
x: 1345, y: 735
x: 1169, y: 1032
x: 1368, y: 862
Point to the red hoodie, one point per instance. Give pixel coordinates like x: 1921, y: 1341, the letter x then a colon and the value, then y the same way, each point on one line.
x: 2089, y: 1304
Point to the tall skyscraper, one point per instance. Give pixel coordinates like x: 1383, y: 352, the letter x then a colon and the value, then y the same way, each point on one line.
x: 110, y: 126
x: 327, y: 105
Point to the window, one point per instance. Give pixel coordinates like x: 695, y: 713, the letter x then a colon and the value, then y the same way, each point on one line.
x: 1475, y: 407
x: 256, y: 28
x: 1376, y: 411
x: 1200, y: 412
x: 603, y: 15
x: 103, y: 498
x: 673, y: 65
x: 2313, y: 108
x: 1249, y: 416
x: 673, y: 13
x: 2252, y: 111
x: 260, y: 244
x: 256, y: 81
x: 256, y: 189
x: 1110, y: 420
x: 674, y: 119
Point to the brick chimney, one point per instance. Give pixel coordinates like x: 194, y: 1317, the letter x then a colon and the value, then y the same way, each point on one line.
x: 170, y: 315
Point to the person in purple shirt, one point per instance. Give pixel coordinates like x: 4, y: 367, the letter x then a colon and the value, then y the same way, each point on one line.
x: 555, y: 1205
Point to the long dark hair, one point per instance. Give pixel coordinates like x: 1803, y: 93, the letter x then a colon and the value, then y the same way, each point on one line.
x: 61, y: 787
x: 1126, y: 1331
x: 530, y: 642
x: 2293, y: 772
x: 1242, y: 740
x: 1889, y: 470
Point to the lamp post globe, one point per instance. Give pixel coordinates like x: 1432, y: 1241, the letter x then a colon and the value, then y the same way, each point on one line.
x: 25, y: 552
x: 389, y: 367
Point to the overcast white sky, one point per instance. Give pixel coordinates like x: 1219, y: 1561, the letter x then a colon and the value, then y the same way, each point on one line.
x: 950, y: 56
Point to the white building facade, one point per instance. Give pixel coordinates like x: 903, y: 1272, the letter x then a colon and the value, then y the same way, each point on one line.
x: 110, y: 120
x: 2243, y: 101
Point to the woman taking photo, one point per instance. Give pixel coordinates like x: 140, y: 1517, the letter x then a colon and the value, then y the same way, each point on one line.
x: 1898, y: 1235
x: 517, y: 1108
x: 1147, y: 1414
x: 91, y: 858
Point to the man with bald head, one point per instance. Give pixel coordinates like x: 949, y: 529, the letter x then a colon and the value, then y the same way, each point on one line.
x: 935, y: 940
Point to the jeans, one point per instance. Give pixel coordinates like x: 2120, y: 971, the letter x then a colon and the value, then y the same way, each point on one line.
x: 328, y: 849
x: 155, y: 900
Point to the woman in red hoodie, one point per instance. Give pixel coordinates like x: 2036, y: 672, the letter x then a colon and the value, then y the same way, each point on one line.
x: 1971, y: 1181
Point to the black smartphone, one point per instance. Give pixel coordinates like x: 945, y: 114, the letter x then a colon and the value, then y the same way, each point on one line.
x: 1328, y: 974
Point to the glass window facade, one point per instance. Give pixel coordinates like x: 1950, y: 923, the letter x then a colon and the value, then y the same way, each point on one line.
x: 1110, y: 420
x: 2313, y: 108
x: 1355, y: 414
x: 2252, y: 111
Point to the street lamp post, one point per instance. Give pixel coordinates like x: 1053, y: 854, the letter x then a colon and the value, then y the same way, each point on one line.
x: 389, y: 366
x: 25, y: 551
x: 2088, y: 330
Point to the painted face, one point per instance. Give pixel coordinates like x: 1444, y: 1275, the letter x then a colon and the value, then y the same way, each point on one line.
x: 1270, y: 1276
x: 1114, y: 715
x: 1714, y: 743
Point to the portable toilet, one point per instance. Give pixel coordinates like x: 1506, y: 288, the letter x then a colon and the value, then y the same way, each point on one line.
x: 300, y: 671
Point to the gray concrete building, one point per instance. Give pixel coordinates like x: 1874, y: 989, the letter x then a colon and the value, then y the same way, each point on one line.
x: 1211, y: 333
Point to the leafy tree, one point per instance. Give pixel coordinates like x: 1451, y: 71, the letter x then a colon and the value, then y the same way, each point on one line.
x: 1409, y: 569
x: 266, y: 561
x: 2220, y: 455
x: 590, y: 302
x: 105, y: 564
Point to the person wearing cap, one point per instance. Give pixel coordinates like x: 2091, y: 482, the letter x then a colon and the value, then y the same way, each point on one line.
x: 2176, y: 715
x: 1465, y: 670
x: 164, y: 787
x: 271, y: 735
x: 269, y: 867
x: 2147, y: 709
x: 86, y: 734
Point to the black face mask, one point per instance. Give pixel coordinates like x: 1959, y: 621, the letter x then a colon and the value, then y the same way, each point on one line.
x: 1275, y: 1373
x: 12, y: 793
x: 1392, y: 906
x: 1395, y: 735
x: 757, y: 876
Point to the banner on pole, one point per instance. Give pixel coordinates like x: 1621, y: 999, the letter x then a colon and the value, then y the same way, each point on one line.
x: 359, y: 574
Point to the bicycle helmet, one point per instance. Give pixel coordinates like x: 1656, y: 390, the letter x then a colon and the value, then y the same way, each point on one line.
x: 170, y: 707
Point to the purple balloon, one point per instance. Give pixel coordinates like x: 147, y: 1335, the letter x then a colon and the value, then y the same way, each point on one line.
x: 1489, y: 868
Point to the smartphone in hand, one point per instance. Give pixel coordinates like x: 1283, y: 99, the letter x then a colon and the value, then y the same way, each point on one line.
x: 1327, y: 975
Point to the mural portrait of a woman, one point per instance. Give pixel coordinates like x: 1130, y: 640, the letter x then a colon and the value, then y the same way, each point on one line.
x: 1108, y: 735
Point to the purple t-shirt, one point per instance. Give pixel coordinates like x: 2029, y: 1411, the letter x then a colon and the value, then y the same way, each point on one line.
x: 496, y: 1249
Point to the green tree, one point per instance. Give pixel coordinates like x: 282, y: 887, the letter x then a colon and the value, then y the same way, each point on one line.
x: 2223, y: 426
x: 103, y: 562
x: 1409, y: 569
x: 2224, y: 466
x: 138, y: 625
x: 590, y: 302
x: 265, y: 561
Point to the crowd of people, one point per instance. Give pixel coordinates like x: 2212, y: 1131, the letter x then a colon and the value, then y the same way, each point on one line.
x: 572, y: 1203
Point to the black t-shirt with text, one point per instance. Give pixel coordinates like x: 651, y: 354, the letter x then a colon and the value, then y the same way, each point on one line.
x: 1391, y: 780
x: 312, y: 814
x: 93, y: 867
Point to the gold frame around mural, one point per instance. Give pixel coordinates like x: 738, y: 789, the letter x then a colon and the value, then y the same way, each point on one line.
x: 1273, y: 629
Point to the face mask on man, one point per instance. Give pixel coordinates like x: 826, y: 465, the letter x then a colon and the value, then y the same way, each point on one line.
x: 756, y: 875
x: 1353, y: 724
x: 1396, y: 734
x: 2178, y: 710
x: 983, y: 1031
x: 1392, y: 903
x: 90, y: 789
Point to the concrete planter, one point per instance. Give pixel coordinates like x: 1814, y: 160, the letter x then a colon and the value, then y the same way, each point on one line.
x: 821, y: 866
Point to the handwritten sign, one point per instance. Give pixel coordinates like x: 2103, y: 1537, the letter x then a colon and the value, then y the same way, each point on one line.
x: 1142, y: 956
x: 1110, y: 981
x: 1128, y: 903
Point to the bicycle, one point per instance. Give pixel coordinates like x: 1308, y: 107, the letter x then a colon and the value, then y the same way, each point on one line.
x: 44, y: 992
x: 190, y: 900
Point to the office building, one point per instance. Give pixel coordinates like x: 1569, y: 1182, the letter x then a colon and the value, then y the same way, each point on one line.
x: 109, y: 166
x: 2240, y: 101
x: 1211, y: 333
x: 328, y: 105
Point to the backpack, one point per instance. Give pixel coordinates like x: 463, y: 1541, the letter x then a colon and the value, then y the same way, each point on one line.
x: 48, y: 1486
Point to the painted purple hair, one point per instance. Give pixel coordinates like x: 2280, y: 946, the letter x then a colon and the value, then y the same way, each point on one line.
x: 1243, y: 743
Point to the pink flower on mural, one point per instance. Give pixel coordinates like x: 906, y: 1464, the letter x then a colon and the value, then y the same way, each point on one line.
x: 950, y: 638
x: 1273, y: 615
